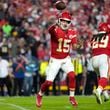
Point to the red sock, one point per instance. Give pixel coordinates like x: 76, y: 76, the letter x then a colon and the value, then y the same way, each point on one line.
x: 103, y: 82
x: 71, y: 80
x: 45, y: 85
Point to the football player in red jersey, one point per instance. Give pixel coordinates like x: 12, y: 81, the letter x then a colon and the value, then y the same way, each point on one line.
x: 62, y: 38
x: 100, y: 57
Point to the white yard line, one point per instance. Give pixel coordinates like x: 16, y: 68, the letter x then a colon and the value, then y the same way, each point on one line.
x: 13, y: 105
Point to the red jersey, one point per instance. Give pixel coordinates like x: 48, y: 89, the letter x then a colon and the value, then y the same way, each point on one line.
x: 102, y: 46
x: 61, y: 41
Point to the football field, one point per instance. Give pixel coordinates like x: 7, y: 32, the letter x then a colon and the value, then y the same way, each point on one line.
x: 51, y: 103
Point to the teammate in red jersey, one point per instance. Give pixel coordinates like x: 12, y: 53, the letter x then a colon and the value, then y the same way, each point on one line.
x: 62, y: 38
x: 100, y: 57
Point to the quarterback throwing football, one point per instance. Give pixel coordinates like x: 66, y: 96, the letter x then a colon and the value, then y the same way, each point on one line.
x: 62, y: 39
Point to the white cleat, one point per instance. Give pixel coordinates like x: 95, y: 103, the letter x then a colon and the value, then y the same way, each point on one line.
x: 106, y: 99
x: 98, y: 97
x: 106, y: 96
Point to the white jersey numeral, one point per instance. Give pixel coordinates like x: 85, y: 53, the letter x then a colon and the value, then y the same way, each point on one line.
x: 101, y: 44
x: 63, y: 45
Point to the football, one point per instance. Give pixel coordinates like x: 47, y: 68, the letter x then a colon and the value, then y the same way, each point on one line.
x: 60, y: 5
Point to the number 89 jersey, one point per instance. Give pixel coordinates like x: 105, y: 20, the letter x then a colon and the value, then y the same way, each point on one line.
x: 101, y: 45
x: 61, y: 41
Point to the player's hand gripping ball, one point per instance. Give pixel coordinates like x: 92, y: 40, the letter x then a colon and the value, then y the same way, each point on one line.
x: 60, y: 5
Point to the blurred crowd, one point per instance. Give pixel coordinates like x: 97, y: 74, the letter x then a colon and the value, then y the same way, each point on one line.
x: 24, y: 40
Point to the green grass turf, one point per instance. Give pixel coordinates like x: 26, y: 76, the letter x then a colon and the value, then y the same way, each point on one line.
x: 51, y: 103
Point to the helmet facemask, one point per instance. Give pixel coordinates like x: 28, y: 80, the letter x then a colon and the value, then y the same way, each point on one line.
x: 64, y: 20
x: 64, y: 24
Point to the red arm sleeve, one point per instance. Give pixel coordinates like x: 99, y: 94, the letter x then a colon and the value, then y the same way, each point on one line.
x: 74, y: 39
x: 52, y: 29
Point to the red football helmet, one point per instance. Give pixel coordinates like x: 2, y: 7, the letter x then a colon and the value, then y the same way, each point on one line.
x: 65, y: 16
x: 104, y: 27
x: 64, y: 20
